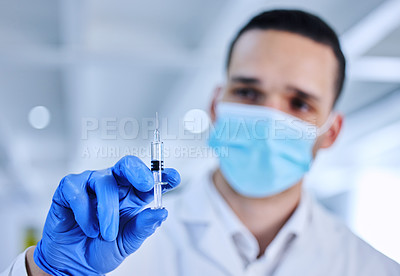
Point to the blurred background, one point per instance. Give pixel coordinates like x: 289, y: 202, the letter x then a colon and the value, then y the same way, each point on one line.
x: 80, y: 82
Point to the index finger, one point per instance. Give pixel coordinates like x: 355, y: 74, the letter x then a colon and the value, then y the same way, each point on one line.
x: 130, y: 170
x: 106, y: 190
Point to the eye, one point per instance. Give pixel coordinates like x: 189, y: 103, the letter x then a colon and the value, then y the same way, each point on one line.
x: 298, y: 104
x: 248, y: 94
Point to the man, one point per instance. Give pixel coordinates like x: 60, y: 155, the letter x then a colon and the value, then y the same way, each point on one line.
x: 285, y: 71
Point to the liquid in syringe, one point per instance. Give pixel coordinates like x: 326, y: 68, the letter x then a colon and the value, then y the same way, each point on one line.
x: 157, y: 165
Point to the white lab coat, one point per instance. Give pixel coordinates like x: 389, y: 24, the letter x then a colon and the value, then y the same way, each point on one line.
x: 193, y: 241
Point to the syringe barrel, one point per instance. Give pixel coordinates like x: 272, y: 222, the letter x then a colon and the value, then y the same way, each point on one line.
x: 157, y: 160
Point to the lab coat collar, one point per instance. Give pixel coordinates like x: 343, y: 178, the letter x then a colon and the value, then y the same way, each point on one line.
x: 214, y: 239
x: 245, y: 241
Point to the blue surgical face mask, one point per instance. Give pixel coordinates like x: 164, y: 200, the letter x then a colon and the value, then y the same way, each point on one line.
x: 262, y: 151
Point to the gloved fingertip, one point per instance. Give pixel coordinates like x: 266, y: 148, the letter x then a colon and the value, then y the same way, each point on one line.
x: 163, y: 214
x: 172, y: 177
x: 110, y: 232
x: 153, y: 216
x: 146, y: 181
x: 92, y: 234
x: 135, y: 171
x: 92, y: 231
x: 108, y: 237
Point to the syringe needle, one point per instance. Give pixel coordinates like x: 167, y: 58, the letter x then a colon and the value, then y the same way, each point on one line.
x: 156, y: 137
x: 156, y: 120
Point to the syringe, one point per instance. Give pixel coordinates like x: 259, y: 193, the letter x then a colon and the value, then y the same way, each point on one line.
x: 157, y: 165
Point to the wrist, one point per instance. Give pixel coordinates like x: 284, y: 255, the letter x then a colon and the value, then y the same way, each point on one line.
x: 32, y: 268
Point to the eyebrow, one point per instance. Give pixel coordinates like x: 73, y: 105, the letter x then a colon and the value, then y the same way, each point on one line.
x: 245, y: 80
x: 300, y: 93
x: 304, y: 95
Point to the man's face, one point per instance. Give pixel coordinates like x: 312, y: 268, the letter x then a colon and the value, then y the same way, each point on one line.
x: 288, y: 72
x: 285, y: 71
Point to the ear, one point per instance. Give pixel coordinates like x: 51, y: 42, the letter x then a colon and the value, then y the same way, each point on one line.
x: 216, y: 96
x: 331, y: 135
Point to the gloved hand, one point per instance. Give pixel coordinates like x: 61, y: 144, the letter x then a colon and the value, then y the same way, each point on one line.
x: 97, y: 219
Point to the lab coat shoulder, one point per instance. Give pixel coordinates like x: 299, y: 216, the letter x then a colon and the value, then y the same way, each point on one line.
x: 359, y: 258
x: 329, y: 247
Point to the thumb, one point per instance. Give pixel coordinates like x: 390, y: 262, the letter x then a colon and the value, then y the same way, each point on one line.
x: 141, y: 227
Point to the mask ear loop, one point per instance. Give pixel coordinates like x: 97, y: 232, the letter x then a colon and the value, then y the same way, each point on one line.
x: 327, y: 125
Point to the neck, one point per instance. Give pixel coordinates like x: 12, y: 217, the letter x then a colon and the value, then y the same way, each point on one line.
x: 264, y: 217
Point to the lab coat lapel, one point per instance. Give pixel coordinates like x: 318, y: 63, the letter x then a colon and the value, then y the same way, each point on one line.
x: 206, y: 231
x: 218, y: 247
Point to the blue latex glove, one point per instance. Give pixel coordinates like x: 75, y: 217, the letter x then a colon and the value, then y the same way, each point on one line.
x: 97, y: 219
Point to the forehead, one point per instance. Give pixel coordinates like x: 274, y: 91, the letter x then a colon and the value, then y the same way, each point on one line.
x: 284, y: 58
